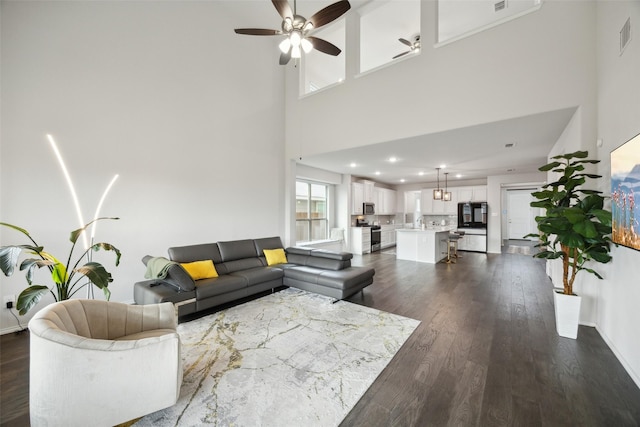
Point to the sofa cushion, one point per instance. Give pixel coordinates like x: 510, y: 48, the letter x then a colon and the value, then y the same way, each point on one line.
x: 303, y: 273
x: 176, y: 277
x: 200, y: 269
x: 323, y: 253
x: 327, y: 263
x: 199, y: 252
x: 275, y: 256
x: 344, y: 279
x: 237, y: 249
x: 207, y: 288
x: 243, y: 264
x: 258, y: 275
x: 299, y: 251
x: 267, y: 243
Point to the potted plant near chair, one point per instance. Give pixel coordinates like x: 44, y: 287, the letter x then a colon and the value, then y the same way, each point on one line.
x: 68, y: 278
x: 575, y: 227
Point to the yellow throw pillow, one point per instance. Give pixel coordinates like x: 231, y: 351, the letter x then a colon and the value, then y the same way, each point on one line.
x: 200, y: 269
x: 275, y: 256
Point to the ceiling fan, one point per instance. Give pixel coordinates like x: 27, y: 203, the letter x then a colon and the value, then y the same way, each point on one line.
x: 413, y: 46
x: 297, y: 29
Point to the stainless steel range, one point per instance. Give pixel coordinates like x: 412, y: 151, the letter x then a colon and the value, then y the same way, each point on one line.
x: 376, y: 238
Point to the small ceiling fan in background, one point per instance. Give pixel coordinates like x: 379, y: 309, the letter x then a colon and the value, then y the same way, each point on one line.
x: 297, y: 29
x: 413, y: 46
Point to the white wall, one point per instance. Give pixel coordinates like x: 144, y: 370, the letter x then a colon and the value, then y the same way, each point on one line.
x: 618, y: 316
x: 541, y: 62
x: 154, y: 91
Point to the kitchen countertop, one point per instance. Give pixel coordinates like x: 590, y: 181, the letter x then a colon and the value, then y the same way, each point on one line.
x: 432, y: 229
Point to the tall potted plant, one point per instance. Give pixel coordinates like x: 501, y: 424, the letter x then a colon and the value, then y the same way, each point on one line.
x: 575, y: 227
x: 67, y: 278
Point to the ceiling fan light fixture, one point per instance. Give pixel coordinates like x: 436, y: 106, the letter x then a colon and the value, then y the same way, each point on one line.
x: 307, y: 46
x: 295, y: 39
x: 285, y: 45
x: 308, y: 26
x: 295, y: 51
x: 287, y: 24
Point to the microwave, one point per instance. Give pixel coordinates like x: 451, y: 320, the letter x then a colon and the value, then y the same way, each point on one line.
x: 368, y: 208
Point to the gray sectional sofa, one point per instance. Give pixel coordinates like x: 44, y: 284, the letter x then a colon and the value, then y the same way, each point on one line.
x: 243, y: 271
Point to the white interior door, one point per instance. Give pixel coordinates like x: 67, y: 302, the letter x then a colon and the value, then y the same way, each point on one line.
x: 519, y: 213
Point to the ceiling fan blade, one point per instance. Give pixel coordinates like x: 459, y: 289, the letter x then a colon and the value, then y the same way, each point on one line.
x: 401, y: 54
x: 283, y: 8
x: 329, y: 13
x: 285, y: 57
x: 405, y: 41
x: 257, y: 32
x: 324, y: 46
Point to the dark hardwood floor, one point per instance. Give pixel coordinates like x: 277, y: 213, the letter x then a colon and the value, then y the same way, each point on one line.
x: 485, y: 354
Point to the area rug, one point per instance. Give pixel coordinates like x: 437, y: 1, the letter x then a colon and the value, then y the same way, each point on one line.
x: 291, y: 358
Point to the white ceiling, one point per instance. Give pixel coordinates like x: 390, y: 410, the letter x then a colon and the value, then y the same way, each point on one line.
x: 474, y: 152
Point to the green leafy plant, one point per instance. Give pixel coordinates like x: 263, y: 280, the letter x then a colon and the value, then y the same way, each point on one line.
x: 66, y: 277
x: 575, y: 226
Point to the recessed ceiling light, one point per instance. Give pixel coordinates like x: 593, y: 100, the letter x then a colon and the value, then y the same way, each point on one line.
x: 402, y: 180
x: 420, y: 173
x: 458, y: 176
x: 442, y: 166
x: 392, y: 159
x: 377, y: 172
x: 353, y: 165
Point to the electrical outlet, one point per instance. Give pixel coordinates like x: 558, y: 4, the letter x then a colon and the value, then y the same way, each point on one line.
x: 9, y: 301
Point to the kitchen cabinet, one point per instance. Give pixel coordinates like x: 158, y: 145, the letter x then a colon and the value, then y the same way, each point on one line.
x: 438, y: 207
x: 388, y: 236
x: 410, y: 201
x: 385, y: 201
x: 361, y: 240
x: 369, y: 191
x: 357, y: 198
x: 472, y: 194
x: 428, y: 246
x: 473, y: 240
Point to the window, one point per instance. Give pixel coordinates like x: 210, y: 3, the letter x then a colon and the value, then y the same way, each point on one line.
x: 320, y: 70
x: 312, y: 222
x: 382, y: 24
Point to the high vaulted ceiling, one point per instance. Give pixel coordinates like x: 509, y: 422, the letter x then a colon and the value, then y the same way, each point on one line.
x: 472, y: 153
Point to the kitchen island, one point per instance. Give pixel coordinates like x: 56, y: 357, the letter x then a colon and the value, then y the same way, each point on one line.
x: 429, y: 245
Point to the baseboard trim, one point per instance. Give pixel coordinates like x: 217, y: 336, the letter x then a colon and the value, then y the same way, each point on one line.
x: 12, y: 329
x: 627, y: 367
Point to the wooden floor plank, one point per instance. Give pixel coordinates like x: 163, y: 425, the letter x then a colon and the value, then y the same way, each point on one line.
x: 485, y: 354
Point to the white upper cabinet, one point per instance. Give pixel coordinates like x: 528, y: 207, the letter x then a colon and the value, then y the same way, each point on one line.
x: 439, y: 207
x: 385, y: 201
x: 472, y: 194
x: 357, y: 198
x: 369, y: 191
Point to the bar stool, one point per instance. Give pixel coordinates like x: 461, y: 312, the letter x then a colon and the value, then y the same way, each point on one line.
x: 452, y: 247
x: 461, y: 234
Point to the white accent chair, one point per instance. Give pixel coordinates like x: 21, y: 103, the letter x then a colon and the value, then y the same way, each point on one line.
x: 101, y: 363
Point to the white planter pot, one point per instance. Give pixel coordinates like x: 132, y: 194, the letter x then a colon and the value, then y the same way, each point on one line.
x: 567, y: 308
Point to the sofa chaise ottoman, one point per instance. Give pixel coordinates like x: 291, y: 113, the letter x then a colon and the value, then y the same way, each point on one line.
x: 242, y: 270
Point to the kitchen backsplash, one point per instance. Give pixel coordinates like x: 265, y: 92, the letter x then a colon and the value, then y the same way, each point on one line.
x: 378, y: 219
